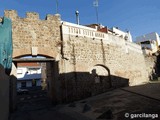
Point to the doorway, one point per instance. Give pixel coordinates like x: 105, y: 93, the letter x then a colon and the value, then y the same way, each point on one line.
x: 35, y: 81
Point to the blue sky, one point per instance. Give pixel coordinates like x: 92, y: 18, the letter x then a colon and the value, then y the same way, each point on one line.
x: 137, y: 16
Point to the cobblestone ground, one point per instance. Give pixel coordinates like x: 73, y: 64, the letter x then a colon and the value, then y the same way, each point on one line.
x: 36, y: 106
x: 135, y: 103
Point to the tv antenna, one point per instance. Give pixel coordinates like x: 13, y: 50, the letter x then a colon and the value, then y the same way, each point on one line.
x: 56, y: 6
x: 95, y: 4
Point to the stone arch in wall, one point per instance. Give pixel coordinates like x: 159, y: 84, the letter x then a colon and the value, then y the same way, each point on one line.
x: 29, y: 55
x: 102, y: 69
x: 102, y: 78
x: 46, y: 53
x: 52, y: 71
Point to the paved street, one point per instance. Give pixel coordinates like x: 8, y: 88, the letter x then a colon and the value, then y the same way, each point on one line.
x: 115, y: 104
x: 121, y: 104
x: 36, y: 106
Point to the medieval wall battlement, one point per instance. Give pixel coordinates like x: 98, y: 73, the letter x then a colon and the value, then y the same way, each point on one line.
x: 13, y: 15
x: 32, y: 15
x: 33, y: 36
x: 0, y: 19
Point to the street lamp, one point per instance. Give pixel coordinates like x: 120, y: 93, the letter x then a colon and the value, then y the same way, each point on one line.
x: 77, y: 16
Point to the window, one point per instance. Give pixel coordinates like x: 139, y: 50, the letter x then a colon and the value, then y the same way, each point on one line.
x: 19, y: 71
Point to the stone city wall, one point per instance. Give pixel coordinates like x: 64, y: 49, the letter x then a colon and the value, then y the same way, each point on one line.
x: 33, y: 36
x: 84, y: 48
x: 87, y: 62
x: 120, y: 56
x: 151, y: 67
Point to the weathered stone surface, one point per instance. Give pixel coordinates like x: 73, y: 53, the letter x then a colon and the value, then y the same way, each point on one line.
x: 123, y: 60
x: 32, y: 32
x: 151, y: 67
x: 82, y: 55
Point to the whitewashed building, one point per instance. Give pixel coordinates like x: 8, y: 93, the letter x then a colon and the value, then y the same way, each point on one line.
x: 114, y: 30
x: 28, y: 75
x: 126, y: 35
x: 149, y: 42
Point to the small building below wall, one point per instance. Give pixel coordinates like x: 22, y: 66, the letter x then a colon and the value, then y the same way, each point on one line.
x: 149, y: 42
x: 28, y: 75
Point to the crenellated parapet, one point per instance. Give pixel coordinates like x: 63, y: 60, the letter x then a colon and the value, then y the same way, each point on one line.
x: 50, y: 17
x: 1, y: 19
x: 13, y: 15
x: 34, y: 36
x: 32, y: 15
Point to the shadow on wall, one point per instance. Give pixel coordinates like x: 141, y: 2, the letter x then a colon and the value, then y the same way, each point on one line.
x: 157, y: 67
x: 80, y: 85
x: 7, y: 94
x: 13, y: 93
x: 72, y: 86
x: 4, y: 94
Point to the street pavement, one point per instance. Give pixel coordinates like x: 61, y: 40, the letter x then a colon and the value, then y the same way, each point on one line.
x: 37, y: 106
x: 137, y: 102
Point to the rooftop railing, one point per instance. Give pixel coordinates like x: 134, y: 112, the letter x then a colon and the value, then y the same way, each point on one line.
x: 83, y: 31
